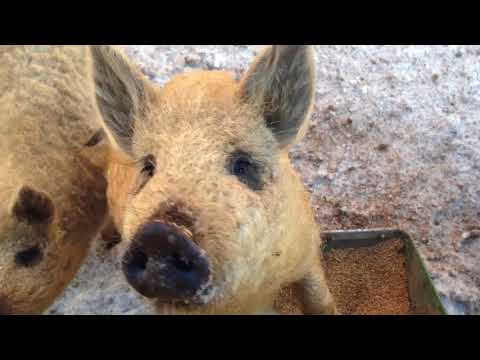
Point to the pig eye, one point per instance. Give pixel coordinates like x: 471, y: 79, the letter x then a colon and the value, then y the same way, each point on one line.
x: 246, y: 170
x: 149, y: 166
x: 148, y: 171
x: 29, y: 257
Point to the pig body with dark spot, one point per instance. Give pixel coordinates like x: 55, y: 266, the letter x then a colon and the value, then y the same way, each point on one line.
x: 52, y: 193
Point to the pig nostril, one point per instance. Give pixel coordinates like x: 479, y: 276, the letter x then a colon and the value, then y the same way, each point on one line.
x: 181, y: 263
x: 138, y: 262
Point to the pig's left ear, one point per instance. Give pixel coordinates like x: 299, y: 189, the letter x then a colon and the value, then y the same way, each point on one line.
x: 281, y: 83
x: 121, y: 92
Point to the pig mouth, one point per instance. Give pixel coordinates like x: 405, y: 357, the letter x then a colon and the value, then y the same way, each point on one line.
x: 201, y: 298
x: 193, y: 305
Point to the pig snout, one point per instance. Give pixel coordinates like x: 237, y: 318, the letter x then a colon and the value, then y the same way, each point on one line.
x: 163, y: 263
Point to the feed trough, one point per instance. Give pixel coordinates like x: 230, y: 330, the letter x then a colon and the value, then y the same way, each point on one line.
x: 373, y: 272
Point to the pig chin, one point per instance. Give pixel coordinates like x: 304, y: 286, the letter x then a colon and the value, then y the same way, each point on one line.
x: 203, y: 298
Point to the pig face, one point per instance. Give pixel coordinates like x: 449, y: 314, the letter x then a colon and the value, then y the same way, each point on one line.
x: 205, y: 195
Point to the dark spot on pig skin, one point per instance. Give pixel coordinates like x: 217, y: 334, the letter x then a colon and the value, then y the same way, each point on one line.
x: 33, y: 207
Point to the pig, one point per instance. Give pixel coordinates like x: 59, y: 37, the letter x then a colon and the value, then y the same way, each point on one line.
x: 212, y: 216
x: 52, y: 190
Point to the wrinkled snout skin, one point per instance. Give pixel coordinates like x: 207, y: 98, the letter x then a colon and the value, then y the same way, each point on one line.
x: 258, y: 232
x: 52, y: 192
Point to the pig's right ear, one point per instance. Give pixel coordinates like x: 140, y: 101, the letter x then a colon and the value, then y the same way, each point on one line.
x: 121, y: 92
x: 281, y: 84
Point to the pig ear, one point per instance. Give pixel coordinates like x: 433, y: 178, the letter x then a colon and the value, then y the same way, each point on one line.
x: 281, y: 83
x: 121, y: 94
x: 32, y: 206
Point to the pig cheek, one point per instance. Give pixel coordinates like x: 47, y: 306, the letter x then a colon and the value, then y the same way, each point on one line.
x: 239, y: 253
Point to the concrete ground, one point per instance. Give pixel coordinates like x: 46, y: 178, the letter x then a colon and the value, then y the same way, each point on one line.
x: 394, y: 142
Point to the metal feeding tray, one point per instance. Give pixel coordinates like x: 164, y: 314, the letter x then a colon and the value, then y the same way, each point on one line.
x: 423, y: 297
